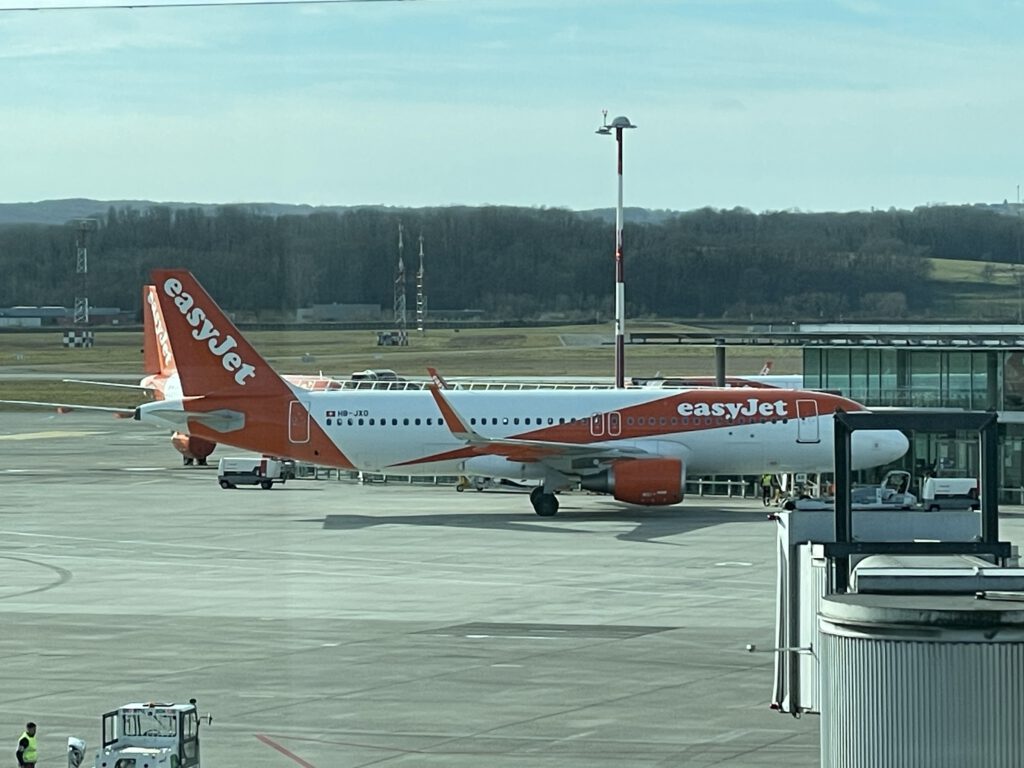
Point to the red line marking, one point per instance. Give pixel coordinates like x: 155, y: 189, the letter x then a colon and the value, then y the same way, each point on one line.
x: 283, y: 750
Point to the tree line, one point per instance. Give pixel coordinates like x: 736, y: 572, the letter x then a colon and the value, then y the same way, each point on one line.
x: 521, y: 263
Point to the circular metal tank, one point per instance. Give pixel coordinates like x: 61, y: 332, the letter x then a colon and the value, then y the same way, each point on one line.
x: 921, y: 680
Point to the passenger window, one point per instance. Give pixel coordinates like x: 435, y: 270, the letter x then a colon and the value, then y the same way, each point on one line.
x: 372, y: 423
x: 417, y: 422
x: 350, y: 421
x: 328, y: 422
x: 430, y: 422
x: 472, y: 420
x: 550, y: 420
x: 504, y: 420
x: 360, y: 422
x: 515, y: 420
x: 405, y: 422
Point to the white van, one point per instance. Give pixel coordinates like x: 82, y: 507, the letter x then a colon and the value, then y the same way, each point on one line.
x: 949, y: 492
x: 233, y: 471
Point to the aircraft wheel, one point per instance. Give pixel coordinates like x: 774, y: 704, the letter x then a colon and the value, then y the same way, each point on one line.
x: 266, y: 485
x: 544, y: 504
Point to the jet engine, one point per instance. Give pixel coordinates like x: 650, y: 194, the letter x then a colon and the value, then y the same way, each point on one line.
x: 192, y: 449
x: 654, y: 482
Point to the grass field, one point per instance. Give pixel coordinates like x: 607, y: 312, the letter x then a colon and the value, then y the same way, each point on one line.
x: 978, y: 291
x: 31, y: 364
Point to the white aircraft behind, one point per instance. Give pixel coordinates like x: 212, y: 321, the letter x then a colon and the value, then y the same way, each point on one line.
x: 635, y: 444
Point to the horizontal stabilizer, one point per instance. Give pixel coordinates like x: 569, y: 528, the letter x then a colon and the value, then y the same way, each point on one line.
x: 221, y: 420
x: 117, y: 385
x: 69, y: 406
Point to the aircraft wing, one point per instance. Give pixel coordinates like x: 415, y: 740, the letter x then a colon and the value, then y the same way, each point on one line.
x: 71, y: 406
x: 516, y: 449
x: 109, y: 384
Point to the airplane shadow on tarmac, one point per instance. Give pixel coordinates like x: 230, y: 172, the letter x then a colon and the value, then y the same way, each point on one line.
x: 651, y: 525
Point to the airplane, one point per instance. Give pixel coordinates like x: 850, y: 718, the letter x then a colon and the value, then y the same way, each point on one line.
x: 765, y: 379
x: 162, y: 382
x: 636, y: 444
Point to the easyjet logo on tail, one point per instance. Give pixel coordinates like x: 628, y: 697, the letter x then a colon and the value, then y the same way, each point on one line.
x: 206, y: 331
x: 751, y: 407
x: 163, y: 342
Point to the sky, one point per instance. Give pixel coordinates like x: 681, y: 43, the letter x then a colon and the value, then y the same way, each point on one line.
x: 813, y: 105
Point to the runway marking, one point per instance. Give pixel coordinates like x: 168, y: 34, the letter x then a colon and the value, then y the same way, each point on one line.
x: 49, y: 435
x: 283, y: 750
x: 726, y: 563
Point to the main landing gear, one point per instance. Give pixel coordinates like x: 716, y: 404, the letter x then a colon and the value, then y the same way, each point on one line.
x: 544, y: 504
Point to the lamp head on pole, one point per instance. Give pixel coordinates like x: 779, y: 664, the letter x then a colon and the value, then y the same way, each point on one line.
x: 618, y: 123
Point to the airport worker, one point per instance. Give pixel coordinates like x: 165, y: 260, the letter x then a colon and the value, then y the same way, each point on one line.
x: 26, y: 753
x: 766, y: 488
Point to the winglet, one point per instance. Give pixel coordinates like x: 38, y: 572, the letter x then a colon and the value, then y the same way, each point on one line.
x: 438, y: 379
x: 457, y: 425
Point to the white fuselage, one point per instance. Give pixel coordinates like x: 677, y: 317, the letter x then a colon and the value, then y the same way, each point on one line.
x: 756, y: 431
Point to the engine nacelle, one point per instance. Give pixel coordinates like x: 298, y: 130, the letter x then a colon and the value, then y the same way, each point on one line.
x: 192, y: 447
x: 654, y: 482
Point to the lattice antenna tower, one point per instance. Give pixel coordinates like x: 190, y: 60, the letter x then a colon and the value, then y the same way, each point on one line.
x: 401, y: 325
x: 82, y: 229
x: 421, y: 295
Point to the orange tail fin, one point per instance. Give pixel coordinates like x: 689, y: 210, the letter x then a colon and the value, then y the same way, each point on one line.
x: 156, y: 345
x: 223, y: 375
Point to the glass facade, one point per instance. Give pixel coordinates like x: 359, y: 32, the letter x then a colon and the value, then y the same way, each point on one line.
x: 919, y: 378
x: 922, y: 377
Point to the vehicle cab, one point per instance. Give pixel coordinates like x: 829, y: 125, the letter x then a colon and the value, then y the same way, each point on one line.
x: 146, y: 735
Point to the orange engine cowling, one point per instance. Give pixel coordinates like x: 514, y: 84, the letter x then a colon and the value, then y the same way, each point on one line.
x: 192, y: 447
x: 654, y: 482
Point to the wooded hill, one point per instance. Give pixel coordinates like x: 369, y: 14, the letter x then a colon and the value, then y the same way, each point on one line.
x: 521, y: 263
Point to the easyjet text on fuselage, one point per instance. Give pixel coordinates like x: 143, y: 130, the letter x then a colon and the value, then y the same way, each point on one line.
x: 752, y: 406
x: 206, y: 331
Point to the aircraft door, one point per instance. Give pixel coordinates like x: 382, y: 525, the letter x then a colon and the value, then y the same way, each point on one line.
x: 807, y: 427
x: 606, y: 424
x: 298, y: 422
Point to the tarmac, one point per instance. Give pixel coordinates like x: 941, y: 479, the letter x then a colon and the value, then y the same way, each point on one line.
x: 327, y: 624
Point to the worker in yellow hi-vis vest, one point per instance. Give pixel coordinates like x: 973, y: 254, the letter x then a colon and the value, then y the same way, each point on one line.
x: 26, y: 753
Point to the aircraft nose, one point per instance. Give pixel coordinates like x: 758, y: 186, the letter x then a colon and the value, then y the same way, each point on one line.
x: 875, y: 447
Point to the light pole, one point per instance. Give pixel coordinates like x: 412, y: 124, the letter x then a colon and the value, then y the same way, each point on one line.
x: 619, y: 124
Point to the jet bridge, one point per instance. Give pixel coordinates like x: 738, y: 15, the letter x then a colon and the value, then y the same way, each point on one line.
x: 903, y: 629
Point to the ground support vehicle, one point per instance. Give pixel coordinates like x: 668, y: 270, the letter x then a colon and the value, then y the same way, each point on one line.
x: 938, y: 492
x: 145, y: 735
x: 264, y: 471
x: 892, y: 493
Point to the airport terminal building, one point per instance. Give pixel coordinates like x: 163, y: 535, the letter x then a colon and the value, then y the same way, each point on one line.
x: 972, y: 367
